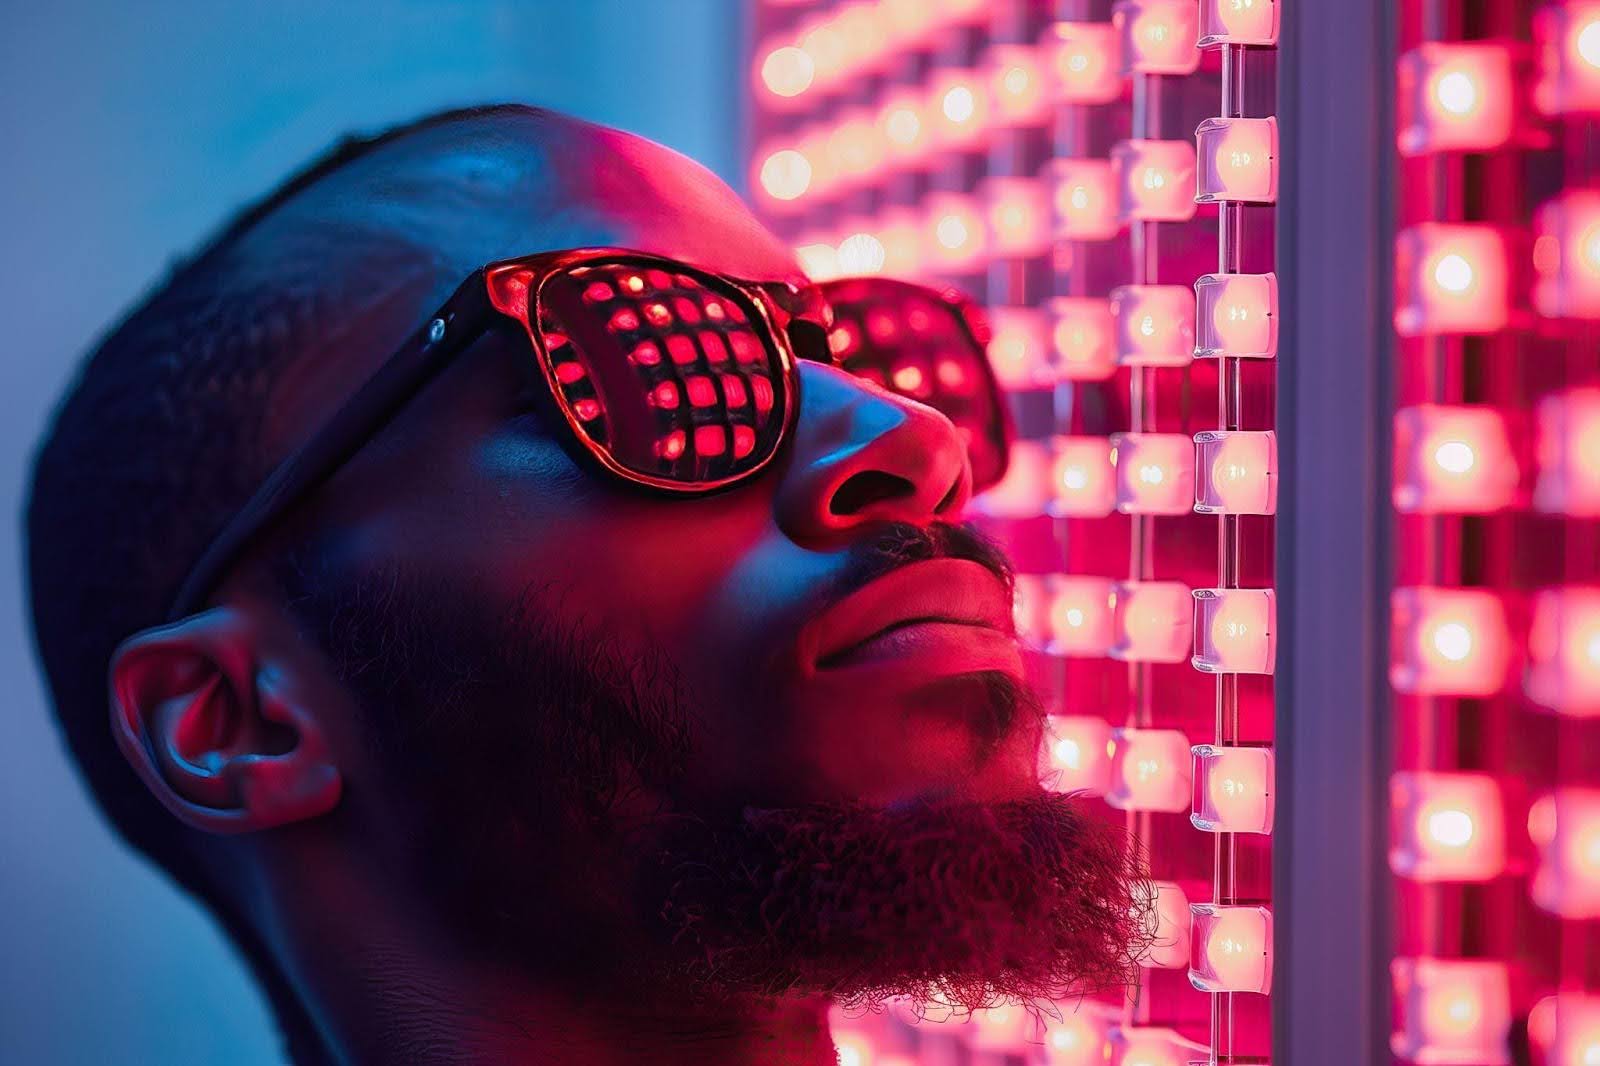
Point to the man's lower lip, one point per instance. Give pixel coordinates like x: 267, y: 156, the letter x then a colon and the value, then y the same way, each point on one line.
x: 936, y: 647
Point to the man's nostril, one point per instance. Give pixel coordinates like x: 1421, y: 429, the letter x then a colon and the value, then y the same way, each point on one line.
x: 866, y: 488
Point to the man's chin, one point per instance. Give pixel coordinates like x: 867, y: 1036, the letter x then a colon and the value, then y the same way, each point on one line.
x: 971, y: 903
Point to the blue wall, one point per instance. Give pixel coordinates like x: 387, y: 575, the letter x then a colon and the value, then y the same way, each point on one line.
x: 129, y: 131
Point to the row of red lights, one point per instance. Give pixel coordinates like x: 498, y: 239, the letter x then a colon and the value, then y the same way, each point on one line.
x: 1464, y: 454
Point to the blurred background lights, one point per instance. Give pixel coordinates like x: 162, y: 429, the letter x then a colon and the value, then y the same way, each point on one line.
x: 1150, y: 770
x: 1084, y: 335
x: 1082, y: 476
x: 1155, y: 180
x: 1564, y: 650
x: 1155, y: 472
x: 1085, y: 62
x: 1447, y: 826
x: 1451, y: 278
x: 1167, y: 918
x: 785, y: 174
x: 1452, y: 1011
x: 860, y: 253
x: 1448, y: 642
x: 1564, y: 826
x: 1455, y: 97
x: 1076, y: 755
x: 787, y: 71
x: 1158, y: 36
x: 1453, y: 460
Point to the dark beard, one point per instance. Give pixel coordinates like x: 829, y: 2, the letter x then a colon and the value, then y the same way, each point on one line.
x: 531, y: 762
x: 972, y: 904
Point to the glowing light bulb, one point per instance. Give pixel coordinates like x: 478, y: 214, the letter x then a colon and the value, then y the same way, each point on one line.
x: 1165, y: 909
x: 1451, y: 278
x: 1238, y: 22
x: 1238, y: 160
x: 1026, y: 487
x: 1083, y: 478
x: 1079, y: 1037
x: 1016, y: 84
x: 1565, y: 828
x: 1453, y: 460
x: 1085, y: 197
x: 1564, y: 651
x: 1569, y: 453
x: 1234, y: 631
x: 1233, y: 789
x: 1019, y: 348
x: 956, y: 228
x: 1233, y: 948
x: 818, y: 258
x: 1155, y: 473
x: 1155, y: 325
x: 903, y: 127
x: 1236, y: 472
x: 860, y: 253
x: 1566, y: 1028
x: 1084, y: 335
x: 1455, y: 97
x: 1076, y: 756
x: 959, y: 103
x: 787, y: 71
x: 1154, y: 620
x: 1567, y: 256
x: 1447, y: 827
x: 1086, y: 60
x: 1236, y: 315
x: 1451, y: 1010
x: 1081, y: 618
x: 1155, y: 180
x: 785, y: 174
x: 1158, y: 36
x: 1448, y: 642
x: 1018, y: 216
x: 1567, y: 40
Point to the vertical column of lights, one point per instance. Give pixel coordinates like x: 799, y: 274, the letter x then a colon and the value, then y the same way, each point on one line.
x: 1153, y: 335
x: 1236, y: 478
x: 1495, y: 838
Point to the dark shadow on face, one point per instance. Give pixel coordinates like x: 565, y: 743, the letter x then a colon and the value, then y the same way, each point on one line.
x: 606, y: 726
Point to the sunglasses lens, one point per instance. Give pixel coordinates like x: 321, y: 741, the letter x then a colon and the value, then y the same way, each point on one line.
x: 666, y: 371
x: 913, y: 341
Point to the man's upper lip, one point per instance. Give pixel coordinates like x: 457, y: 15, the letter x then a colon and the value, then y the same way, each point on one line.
x: 935, y: 590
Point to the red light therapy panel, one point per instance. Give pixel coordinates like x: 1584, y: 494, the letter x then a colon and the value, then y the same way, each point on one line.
x: 1102, y: 175
x: 1494, y: 660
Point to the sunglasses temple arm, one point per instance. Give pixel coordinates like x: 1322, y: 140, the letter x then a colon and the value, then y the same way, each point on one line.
x: 427, y: 352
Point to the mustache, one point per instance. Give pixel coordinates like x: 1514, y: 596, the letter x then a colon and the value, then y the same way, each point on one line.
x: 895, y: 544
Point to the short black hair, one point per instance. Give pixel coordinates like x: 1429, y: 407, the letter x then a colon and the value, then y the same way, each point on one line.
x: 155, y: 445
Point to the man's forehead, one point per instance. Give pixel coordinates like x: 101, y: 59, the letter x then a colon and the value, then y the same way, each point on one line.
x: 500, y: 186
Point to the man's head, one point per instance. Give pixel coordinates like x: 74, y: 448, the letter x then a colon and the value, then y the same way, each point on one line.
x: 765, y: 742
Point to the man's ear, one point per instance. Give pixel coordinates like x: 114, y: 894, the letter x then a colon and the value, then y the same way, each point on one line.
x: 213, y: 731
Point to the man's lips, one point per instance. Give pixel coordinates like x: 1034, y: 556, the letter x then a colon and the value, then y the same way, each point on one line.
x: 926, y: 608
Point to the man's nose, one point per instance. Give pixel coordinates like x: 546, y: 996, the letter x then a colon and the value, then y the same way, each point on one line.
x: 863, y: 455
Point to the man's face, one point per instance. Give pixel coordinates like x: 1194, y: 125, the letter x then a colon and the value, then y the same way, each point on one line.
x: 544, y: 655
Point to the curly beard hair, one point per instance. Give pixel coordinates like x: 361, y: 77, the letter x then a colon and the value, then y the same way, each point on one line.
x: 967, y: 904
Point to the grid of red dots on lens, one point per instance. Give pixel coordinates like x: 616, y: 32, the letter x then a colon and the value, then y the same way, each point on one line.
x: 709, y: 378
